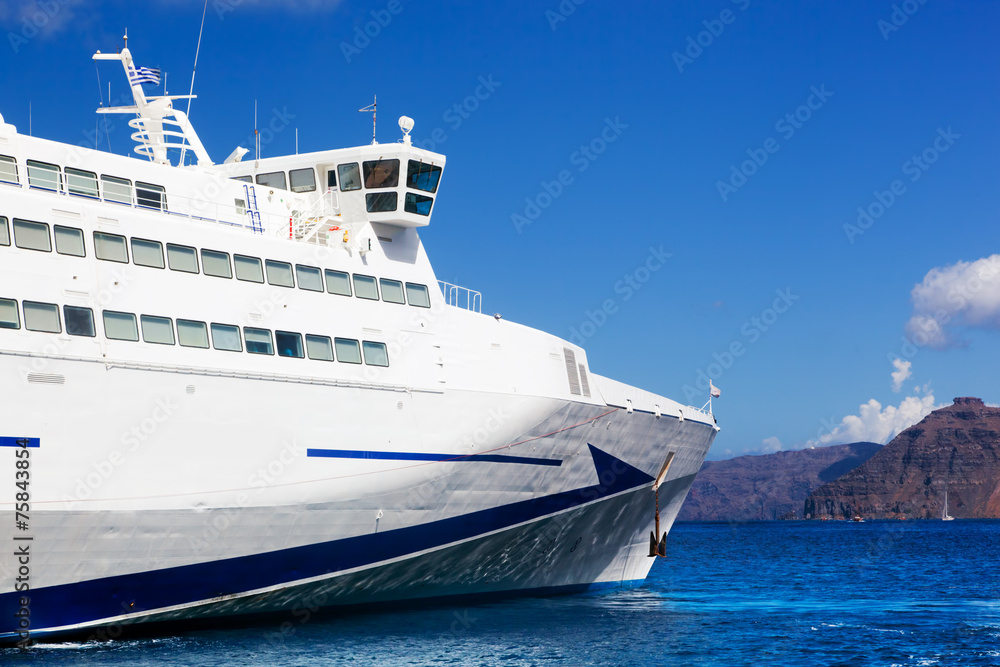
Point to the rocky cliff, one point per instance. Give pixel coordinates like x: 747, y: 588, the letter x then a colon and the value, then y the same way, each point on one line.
x: 955, y: 449
x: 771, y: 486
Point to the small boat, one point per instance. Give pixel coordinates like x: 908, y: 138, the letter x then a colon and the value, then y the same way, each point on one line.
x: 944, y: 512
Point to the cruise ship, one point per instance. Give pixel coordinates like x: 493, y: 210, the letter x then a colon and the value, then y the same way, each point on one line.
x: 238, y: 389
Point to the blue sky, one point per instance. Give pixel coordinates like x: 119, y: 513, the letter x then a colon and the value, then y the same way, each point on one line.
x: 585, y: 141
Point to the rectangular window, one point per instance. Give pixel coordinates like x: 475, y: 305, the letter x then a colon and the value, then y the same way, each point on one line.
x: 81, y: 183
x: 279, y: 273
x: 216, y: 263
x: 418, y: 204
x: 310, y: 278
x: 418, y: 295
x: 32, y: 235
x: 381, y: 173
x: 43, y: 175
x: 182, y: 258
x: 289, y: 344
x: 243, y: 179
x: 191, y: 333
x: 79, y: 321
x: 41, y: 317
x: 116, y: 189
x: 150, y: 196
x: 348, y: 350
x: 275, y: 179
x: 69, y: 241
x: 380, y: 202
x: 319, y: 348
x: 375, y: 353
x: 331, y: 178
x: 248, y: 269
x: 350, y: 177
x: 338, y: 282
x: 4, y: 232
x: 8, y: 315
x: 159, y: 330
x: 8, y: 170
x: 120, y: 326
x: 392, y: 291
x: 365, y: 287
x: 226, y: 337
x: 147, y: 253
x: 421, y: 176
x: 110, y: 247
x: 302, y: 180
x: 258, y: 340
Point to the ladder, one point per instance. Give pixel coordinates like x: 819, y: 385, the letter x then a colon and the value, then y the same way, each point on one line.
x: 252, y: 210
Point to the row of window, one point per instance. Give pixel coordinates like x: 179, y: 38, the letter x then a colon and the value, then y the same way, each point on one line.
x: 44, y: 317
x: 82, y: 183
x: 115, y: 248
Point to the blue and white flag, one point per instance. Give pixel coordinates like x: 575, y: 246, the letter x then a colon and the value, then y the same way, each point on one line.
x: 144, y: 75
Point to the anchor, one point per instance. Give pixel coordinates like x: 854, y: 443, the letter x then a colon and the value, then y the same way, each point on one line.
x: 659, y: 547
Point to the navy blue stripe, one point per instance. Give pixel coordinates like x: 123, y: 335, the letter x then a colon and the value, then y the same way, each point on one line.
x: 102, y: 598
x: 425, y: 456
x: 16, y: 442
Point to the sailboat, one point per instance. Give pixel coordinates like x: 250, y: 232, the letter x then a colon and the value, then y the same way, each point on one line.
x: 944, y: 512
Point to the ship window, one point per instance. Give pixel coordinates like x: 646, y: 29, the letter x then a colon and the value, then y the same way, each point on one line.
x: 8, y: 170
x: 159, y: 330
x: 192, y: 334
x: 417, y: 295
x: 392, y: 291
x: 43, y: 175
x: 243, y: 179
x: 4, y: 232
x: 381, y: 173
x: 9, y: 318
x: 258, y: 341
x: 79, y: 321
x: 41, y: 317
x: 216, y: 263
x: 375, y: 353
x: 380, y: 202
x: 350, y: 177
x: 150, y: 196
x: 310, y: 278
x: 182, y: 258
x: 348, y: 350
x: 248, y: 269
x: 279, y: 273
x: 32, y: 235
x: 110, y: 247
x: 331, y: 178
x: 81, y: 183
x: 418, y: 204
x: 69, y: 241
x: 116, y: 189
x: 226, y: 337
x: 421, y: 176
x: 302, y: 180
x: 365, y: 287
x: 338, y: 282
x: 147, y: 253
x: 317, y: 347
x: 275, y: 179
x: 120, y: 326
x: 289, y: 344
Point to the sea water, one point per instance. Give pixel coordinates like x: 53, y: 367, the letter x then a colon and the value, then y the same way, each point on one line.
x: 787, y: 593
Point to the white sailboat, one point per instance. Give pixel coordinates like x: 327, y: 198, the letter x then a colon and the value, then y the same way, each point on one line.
x: 944, y: 512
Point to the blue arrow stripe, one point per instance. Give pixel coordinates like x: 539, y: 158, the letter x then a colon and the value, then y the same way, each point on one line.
x: 424, y: 456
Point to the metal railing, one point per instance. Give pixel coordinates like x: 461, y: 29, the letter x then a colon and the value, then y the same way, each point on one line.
x: 461, y: 297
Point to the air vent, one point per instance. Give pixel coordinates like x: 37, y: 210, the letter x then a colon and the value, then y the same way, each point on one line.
x: 584, y: 381
x: 571, y: 371
x: 190, y: 389
x: 46, y: 378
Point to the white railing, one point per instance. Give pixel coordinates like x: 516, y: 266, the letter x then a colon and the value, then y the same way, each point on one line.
x: 461, y: 297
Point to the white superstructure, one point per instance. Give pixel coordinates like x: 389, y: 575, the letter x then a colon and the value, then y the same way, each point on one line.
x: 240, y: 388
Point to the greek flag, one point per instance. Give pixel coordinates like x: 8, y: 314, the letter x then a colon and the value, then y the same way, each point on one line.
x: 144, y: 75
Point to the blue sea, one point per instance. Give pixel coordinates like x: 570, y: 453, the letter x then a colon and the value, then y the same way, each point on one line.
x: 786, y: 593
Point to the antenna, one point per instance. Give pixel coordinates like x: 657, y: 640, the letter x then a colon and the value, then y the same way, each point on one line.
x: 296, y: 141
x: 256, y: 134
x: 373, y: 108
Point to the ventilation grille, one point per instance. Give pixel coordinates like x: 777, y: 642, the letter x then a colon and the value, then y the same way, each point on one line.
x: 571, y: 372
x: 190, y: 389
x: 584, y: 382
x: 46, y: 378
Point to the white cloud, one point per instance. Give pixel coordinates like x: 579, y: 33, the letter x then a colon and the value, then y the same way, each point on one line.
x: 875, y: 424
x: 771, y: 445
x: 901, y: 374
x: 964, y: 294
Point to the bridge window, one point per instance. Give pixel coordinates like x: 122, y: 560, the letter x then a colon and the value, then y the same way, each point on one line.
x: 279, y: 273
x: 392, y: 291
x: 331, y: 178
x: 69, y: 241
x: 289, y: 344
x: 159, y: 330
x: 191, y: 333
x: 258, y: 341
x: 319, y: 348
x: 418, y: 295
x: 216, y: 263
x: 380, y: 202
x: 418, y: 204
x: 226, y: 337
x: 118, y: 190
x: 8, y: 314
x: 275, y: 179
x: 375, y: 353
x: 8, y: 170
x: 44, y: 176
x: 182, y: 258
x: 32, y: 235
x: 348, y: 350
x: 150, y: 196
x: 147, y: 253
x: 381, y: 173
x: 350, y: 176
x: 120, y: 326
x: 79, y: 321
x: 42, y: 317
x: 110, y: 247
x: 243, y: 179
x: 338, y: 282
x: 310, y: 278
x: 4, y: 232
x: 302, y: 180
x: 421, y: 176
x: 248, y: 269
x: 365, y: 287
x: 81, y: 183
